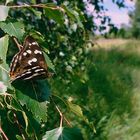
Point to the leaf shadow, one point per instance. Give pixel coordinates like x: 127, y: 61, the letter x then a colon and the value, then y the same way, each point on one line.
x: 38, y: 90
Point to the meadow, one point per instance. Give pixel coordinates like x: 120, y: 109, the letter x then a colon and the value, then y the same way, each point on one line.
x: 108, y: 91
x: 118, y: 68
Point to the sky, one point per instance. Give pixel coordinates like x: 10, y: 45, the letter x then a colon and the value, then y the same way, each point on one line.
x: 118, y: 16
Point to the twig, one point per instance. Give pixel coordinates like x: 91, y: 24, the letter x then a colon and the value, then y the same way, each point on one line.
x: 37, y: 6
x: 3, y: 134
x: 59, y: 98
x: 19, y: 126
x: 34, y: 90
x: 1, y: 105
x: 67, y: 121
x: 4, y: 69
x: 18, y: 45
x: 5, y: 94
x: 61, y: 115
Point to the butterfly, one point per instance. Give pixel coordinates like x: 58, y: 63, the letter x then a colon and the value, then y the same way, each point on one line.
x: 29, y: 62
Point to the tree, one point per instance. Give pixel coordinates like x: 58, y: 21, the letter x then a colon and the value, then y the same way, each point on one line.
x: 135, y: 20
x: 62, y: 29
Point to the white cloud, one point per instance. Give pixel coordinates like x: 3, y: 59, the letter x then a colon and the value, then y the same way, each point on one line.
x: 130, y: 2
x: 118, y: 18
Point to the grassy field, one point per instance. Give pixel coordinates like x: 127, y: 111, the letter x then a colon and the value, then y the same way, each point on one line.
x: 107, y: 90
x: 120, y: 61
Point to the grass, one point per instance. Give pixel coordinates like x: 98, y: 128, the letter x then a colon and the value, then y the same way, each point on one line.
x: 108, y: 91
x: 120, y: 62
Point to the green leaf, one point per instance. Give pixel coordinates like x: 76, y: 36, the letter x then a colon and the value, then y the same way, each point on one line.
x: 8, y: 1
x: 3, y: 12
x: 33, y: 97
x: 25, y: 119
x: 38, y: 109
x: 4, y: 47
x: 54, y: 14
x: 19, y: 137
x: 13, y: 29
x: 69, y: 12
x: 3, y: 87
x: 49, y: 62
x: 4, y: 41
x: 77, y: 110
x: 74, y: 15
x: 62, y: 133
x: 53, y: 134
x: 37, y: 14
x: 39, y: 89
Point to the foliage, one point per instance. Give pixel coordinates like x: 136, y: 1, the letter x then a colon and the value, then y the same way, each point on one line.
x: 25, y: 103
x: 135, y: 21
x: 62, y: 29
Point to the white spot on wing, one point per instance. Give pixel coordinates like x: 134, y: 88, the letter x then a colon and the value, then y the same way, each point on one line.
x: 24, y: 53
x: 34, y: 67
x: 29, y: 51
x: 34, y: 43
x: 28, y: 72
x: 32, y: 60
x: 29, y: 62
x: 35, y: 74
x: 30, y: 44
x: 39, y: 70
x: 20, y: 57
x: 37, y: 51
x: 14, y: 62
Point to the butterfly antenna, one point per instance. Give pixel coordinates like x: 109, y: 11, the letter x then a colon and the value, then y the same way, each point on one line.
x: 18, y: 45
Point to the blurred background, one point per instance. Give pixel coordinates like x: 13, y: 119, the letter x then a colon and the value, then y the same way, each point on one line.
x: 95, y: 49
x: 103, y: 79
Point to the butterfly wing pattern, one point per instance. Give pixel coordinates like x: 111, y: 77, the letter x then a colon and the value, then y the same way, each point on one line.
x: 29, y: 62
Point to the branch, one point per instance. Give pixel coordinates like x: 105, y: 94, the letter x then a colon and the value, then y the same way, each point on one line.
x: 18, y: 45
x: 61, y: 114
x: 4, y: 69
x: 37, y: 6
x: 19, y: 126
x: 5, y: 94
x: 3, y: 134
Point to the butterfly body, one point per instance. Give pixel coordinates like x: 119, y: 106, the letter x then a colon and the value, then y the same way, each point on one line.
x: 29, y: 62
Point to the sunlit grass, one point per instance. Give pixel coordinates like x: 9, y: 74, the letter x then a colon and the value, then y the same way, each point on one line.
x: 108, y: 91
x: 126, y: 126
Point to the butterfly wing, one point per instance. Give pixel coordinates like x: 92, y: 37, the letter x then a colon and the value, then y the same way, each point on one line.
x: 29, y: 62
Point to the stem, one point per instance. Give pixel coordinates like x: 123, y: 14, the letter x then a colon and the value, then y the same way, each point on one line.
x: 61, y: 114
x: 3, y: 134
x: 60, y: 99
x: 4, y: 69
x: 18, y: 45
x: 37, y: 6
x: 19, y: 126
x: 34, y: 90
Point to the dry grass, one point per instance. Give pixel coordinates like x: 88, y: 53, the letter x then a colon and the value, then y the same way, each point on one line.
x: 109, y: 43
x: 130, y: 128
